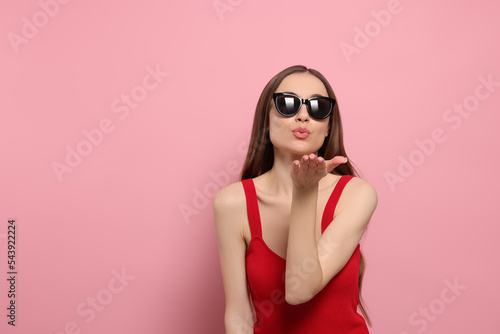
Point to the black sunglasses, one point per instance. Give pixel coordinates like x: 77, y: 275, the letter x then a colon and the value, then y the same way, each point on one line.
x: 288, y: 104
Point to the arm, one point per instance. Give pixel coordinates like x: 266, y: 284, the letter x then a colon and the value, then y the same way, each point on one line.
x: 312, y: 264
x: 228, y: 209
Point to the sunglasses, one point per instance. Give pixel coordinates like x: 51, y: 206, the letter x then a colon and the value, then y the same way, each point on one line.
x: 288, y: 104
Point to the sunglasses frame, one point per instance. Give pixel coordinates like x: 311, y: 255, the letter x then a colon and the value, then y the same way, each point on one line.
x: 307, y: 102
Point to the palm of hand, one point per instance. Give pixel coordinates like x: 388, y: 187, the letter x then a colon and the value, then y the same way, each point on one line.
x: 311, y: 169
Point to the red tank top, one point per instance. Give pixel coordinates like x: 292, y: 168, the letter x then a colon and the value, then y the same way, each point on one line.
x: 332, y: 310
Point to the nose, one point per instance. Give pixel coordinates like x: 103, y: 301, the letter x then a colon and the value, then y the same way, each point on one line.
x: 302, y: 115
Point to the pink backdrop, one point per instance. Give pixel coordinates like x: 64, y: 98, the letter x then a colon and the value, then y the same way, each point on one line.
x: 122, y: 119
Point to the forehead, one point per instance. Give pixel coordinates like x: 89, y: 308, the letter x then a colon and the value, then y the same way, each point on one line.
x: 303, y: 84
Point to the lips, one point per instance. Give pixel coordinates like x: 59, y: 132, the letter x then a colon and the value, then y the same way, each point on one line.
x: 301, y: 132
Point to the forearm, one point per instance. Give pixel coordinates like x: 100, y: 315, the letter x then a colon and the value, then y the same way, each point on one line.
x: 239, y: 325
x: 303, y: 270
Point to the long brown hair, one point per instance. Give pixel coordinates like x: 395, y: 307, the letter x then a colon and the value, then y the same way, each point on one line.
x: 260, y: 156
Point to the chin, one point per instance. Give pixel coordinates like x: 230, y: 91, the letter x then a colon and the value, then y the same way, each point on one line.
x: 306, y: 149
x: 296, y: 146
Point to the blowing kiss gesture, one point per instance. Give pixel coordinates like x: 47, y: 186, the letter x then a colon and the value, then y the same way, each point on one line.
x: 307, y: 172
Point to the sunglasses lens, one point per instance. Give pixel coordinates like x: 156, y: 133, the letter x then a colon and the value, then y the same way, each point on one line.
x: 287, y: 105
x: 320, y: 108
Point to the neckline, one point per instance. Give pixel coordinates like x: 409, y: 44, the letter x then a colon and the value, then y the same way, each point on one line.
x: 260, y: 221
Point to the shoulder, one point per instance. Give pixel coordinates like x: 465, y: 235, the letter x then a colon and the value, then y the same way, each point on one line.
x: 358, y: 192
x: 357, y: 184
x: 230, y: 213
x: 230, y: 200
x: 231, y: 194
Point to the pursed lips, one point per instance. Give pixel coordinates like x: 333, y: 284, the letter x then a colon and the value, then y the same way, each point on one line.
x: 301, y: 132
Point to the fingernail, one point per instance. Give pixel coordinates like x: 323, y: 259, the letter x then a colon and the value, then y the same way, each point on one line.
x: 345, y: 159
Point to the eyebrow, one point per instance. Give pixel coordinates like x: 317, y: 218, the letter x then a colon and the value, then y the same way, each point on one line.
x: 314, y: 95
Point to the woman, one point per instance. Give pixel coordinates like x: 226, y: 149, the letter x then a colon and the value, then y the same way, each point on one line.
x: 297, y: 192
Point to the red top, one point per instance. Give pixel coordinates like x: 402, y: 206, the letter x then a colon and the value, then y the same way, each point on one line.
x: 332, y: 310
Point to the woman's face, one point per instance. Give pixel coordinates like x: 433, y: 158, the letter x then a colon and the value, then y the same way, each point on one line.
x: 281, y: 133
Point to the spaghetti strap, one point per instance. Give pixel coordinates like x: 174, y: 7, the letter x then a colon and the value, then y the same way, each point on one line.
x: 252, y: 208
x: 333, y: 200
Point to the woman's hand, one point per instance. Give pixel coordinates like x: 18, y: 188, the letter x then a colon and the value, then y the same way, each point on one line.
x: 311, y: 169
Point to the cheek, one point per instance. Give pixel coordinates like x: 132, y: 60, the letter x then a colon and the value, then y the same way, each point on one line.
x: 278, y: 126
x: 325, y: 128
x: 321, y: 132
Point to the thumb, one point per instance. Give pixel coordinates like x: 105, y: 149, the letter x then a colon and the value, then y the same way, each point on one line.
x: 336, y: 161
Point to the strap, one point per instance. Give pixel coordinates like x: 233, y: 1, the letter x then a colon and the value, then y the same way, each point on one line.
x: 333, y: 200
x: 252, y: 207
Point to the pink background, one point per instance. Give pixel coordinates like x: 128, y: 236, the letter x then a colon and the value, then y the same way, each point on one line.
x: 119, y: 209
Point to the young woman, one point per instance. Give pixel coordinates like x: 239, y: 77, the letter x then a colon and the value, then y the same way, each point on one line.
x: 289, y: 231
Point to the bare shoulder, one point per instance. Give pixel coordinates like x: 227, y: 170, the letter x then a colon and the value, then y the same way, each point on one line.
x: 230, y: 201
x: 230, y: 216
x: 359, y: 192
x: 231, y: 196
x: 358, y: 184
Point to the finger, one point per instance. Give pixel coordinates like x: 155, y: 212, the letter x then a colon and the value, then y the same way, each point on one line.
x: 305, y: 166
x: 296, y: 166
x: 315, y: 165
x: 336, y: 161
x: 322, y: 165
x: 314, y: 161
x: 295, y: 169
